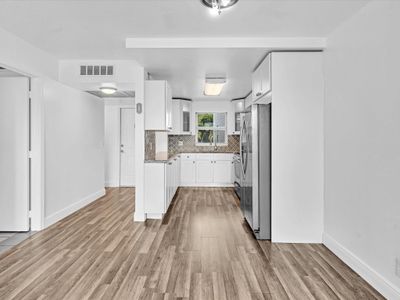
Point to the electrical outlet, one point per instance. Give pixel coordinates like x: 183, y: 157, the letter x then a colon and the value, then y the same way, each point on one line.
x: 397, y: 271
x: 180, y: 143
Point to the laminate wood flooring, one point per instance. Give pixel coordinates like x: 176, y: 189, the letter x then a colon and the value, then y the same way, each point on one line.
x: 202, y: 249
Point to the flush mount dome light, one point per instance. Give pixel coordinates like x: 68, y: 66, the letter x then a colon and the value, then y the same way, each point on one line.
x: 214, y: 86
x: 218, y: 5
x: 108, y: 90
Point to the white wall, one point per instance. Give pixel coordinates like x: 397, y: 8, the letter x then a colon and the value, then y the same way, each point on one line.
x: 21, y: 56
x: 362, y: 145
x: 74, y: 149
x: 297, y: 147
x: 215, y: 106
x: 112, y: 134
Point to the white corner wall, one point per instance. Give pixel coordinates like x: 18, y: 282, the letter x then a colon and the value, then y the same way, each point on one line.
x: 362, y: 144
x: 74, y: 149
x: 297, y: 147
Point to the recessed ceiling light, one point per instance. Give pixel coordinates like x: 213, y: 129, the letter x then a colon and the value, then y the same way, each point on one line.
x: 214, y: 86
x: 108, y: 90
x: 218, y: 5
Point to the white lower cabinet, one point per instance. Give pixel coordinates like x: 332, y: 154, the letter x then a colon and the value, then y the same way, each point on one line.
x: 223, y: 172
x: 162, y: 179
x: 188, y: 172
x: 161, y: 184
x: 206, y: 169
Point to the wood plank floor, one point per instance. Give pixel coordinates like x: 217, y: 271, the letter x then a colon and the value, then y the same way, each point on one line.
x: 201, y: 250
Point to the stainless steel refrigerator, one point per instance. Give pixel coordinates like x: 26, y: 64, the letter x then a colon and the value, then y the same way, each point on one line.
x: 255, y: 152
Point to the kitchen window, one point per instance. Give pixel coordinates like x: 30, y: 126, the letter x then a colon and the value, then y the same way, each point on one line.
x: 211, y: 129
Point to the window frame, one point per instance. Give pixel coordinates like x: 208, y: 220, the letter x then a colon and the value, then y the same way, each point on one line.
x: 213, y: 128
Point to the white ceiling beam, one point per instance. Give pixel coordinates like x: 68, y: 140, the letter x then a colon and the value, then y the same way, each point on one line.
x: 287, y: 43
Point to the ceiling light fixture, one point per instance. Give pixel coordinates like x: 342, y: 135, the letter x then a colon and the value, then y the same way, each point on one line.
x: 214, y: 86
x: 218, y: 5
x: 108, y: 90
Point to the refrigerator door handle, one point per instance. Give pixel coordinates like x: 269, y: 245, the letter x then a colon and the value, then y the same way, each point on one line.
x: 242, y: 134
x: 245, y: 160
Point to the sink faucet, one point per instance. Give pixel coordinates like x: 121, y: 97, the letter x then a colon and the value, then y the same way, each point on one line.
x: 215, y: 145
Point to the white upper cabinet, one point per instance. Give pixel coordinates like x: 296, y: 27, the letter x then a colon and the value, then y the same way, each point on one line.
x: 158, y: 105
x: 238, y: 108
x: 261, y: 79
x: 248, y: 101
x: 181, y: 112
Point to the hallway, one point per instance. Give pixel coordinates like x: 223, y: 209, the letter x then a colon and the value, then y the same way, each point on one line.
x: 201, y: 250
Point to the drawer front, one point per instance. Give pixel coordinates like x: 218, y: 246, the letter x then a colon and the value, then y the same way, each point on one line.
x: 188, y: 156
x: 204, y: 156
x: 223, y: 156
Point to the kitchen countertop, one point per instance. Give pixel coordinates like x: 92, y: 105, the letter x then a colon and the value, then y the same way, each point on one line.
x: 163, y: 161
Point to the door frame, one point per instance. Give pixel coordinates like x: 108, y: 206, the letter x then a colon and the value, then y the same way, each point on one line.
x: 35, y: 151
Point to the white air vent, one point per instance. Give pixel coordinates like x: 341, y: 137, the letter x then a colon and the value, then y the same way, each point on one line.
x: 96, y: 70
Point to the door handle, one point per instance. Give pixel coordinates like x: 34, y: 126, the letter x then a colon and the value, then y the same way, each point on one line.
x: 258, y: 94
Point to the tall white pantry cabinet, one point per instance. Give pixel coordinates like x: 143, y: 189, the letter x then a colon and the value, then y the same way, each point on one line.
x: 293, y: 83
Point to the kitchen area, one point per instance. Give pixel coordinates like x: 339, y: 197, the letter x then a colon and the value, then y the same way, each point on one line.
x: 267, y: 146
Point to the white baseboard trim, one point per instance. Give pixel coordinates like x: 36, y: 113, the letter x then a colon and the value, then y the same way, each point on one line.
x: 154, y: 216
x: 139, y: 217
x: 111, y: 184
x: 381, y: 284
x: 61, y: 214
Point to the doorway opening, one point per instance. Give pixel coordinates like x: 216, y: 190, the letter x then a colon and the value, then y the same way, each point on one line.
x: 119, y: 142
x: 15, y: 161
x: 127, y: 147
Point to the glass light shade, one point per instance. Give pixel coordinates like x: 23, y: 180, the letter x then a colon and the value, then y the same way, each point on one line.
x: 108, y: 90
x: 213, y: 89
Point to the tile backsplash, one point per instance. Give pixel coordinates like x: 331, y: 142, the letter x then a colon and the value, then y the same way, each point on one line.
x: 189, y: 145
x: 150, y: 145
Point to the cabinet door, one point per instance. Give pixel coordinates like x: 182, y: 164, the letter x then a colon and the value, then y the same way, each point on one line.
x: 185, y: 118
x: 168, y: 185
x: 223, y: 172
x: 265, y: 75
x: 204, y: 171
x: 176, y: 117
x: 156, y: 110
x: 188, y: 172
x: 256, y: 84
x: 168, y: 106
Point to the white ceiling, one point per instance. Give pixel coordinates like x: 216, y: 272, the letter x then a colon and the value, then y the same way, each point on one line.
x: 186, y: 69
x: 97, y: 29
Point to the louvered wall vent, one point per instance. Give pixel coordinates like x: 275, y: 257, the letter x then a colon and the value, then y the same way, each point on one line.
x: 117, y: 94
x: 97, y: 70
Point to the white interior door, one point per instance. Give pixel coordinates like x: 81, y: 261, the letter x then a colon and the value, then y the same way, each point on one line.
x: 127, y: 152
x: 14, y: 161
